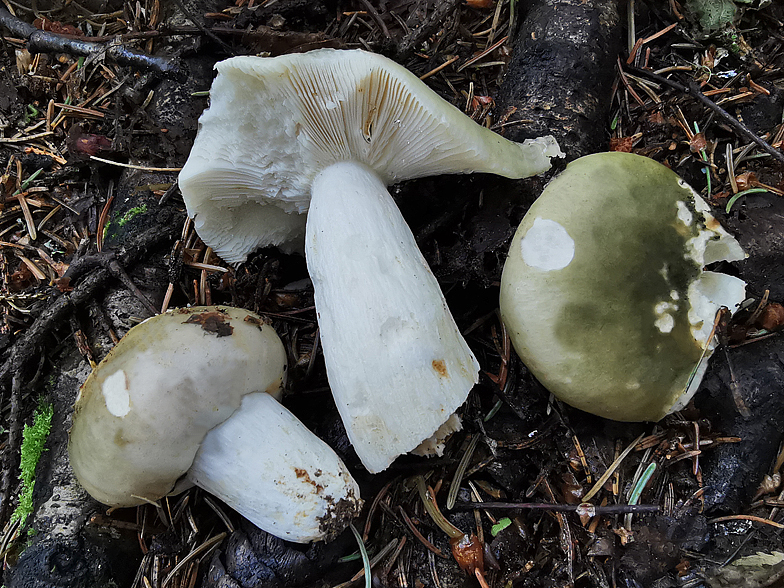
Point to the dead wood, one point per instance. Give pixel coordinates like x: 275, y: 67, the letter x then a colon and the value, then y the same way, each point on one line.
x: 560, y: 78
x: 693, y: 90
x: 44, y: 41
x: 414, y: 37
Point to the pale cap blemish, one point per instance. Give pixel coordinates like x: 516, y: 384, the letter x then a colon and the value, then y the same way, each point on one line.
x: 684, y: 214
x: 116, y: 395
x: 661, y: 307
x: 665, y: 322
x: 706, y: 295
x: 547, y: 246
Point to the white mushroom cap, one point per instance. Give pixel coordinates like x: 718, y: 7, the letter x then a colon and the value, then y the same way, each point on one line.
x: 274, y: 123
x: 604, y: 292
x: 397, y: 364
x: 144, y: 412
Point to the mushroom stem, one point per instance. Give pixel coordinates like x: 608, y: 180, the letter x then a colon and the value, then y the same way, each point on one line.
x: 266, y: 465
x: 397, y: 364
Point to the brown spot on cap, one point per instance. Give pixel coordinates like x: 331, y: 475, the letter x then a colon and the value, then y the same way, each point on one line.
x: 273, y: 388
x: 119, y: 439
x: 213, y: 322
x: 712, y: 224
x: 440, y: 367
x: 256, y: 321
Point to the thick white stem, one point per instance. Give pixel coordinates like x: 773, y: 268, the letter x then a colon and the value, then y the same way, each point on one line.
x: 397, y: 364
x: 266, y: 465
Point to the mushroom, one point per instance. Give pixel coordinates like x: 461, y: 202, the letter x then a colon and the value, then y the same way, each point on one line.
x: 604, y: 291
x: 186, y: 397
x: 326, y: 132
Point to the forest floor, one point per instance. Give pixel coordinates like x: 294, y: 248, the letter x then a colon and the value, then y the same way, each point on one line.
x: 94, y: 238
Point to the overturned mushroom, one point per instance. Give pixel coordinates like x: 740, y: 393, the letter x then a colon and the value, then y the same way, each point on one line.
x: 186, y: 398
x: 328, y: 131
x: 604, y: 291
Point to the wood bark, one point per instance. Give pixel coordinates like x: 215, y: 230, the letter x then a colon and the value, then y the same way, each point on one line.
x: 561, y: 74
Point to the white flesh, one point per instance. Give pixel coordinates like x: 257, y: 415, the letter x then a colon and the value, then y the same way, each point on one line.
x: 436, y: 443
x: 397, y: 364
x: 266, y: 465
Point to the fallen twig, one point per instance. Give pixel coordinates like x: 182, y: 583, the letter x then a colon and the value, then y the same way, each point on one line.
x: 203, y: 29
x: 435, y: 19
x: 108, y: 261
x: 612, y: 509
x: 694, y: 91
x: 262, y: 37
x: 9, y: 468
x: 44, y: 41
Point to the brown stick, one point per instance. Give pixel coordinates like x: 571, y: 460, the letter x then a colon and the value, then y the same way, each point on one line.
x: 44, y: 41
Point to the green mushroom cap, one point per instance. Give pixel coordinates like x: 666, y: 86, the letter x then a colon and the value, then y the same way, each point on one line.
x: 604, y: 291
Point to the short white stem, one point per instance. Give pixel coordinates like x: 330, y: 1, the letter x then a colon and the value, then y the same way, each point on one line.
x: 397, y: 364
x: 266, y: 465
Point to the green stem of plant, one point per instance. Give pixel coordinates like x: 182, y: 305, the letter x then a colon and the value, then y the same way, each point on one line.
x: 28, y: 181
x: 365, y: 557
x: 634, y: 497
x: 735, y: 198
x: 435, y: 514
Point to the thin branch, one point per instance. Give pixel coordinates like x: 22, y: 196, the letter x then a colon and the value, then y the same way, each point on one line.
x: 44, y: 41
x: 25, y: 346
x: 376, y: 17
x: 9, y: 467
x: 107, y: 261
x: 693, y: 90
x: 593, y: 510
x: 204, y: 29
x: 265, y: 38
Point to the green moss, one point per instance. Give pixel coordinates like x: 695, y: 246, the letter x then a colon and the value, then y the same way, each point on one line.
x: 121, y: 221
x: 128, y: 216
x: 33, y: 441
